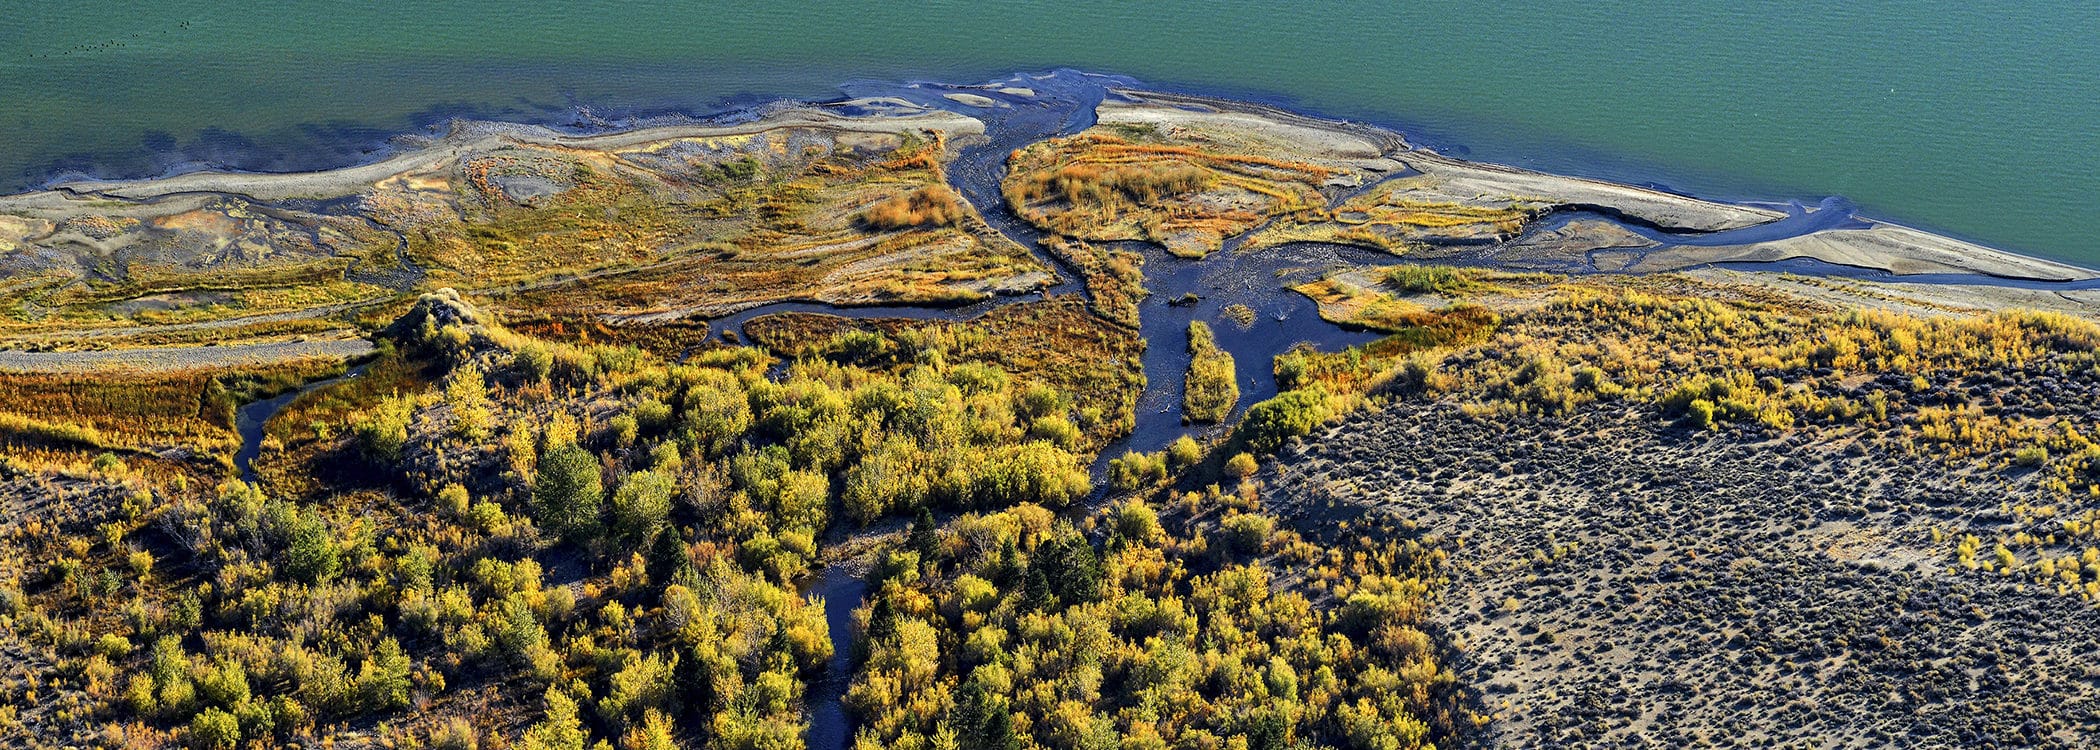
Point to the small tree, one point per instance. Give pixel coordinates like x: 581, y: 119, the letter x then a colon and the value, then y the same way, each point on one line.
x: 310, y: 557
x: 642, y: 504
x: 1035, y: 594
x: 569, y: 494
x: 383, y: 431
x: 467, y: 394
x: 560, y: 728
x: 925, y: 539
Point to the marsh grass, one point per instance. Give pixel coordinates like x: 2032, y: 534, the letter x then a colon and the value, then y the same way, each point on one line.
x: 1212, y: 384
x: 190, y: 410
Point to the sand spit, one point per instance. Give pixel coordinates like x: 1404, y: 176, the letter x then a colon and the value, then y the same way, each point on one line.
x: 1909, y: 298
x: 465, y: 138
x: 1386, y: 151
x: 1436, y: 178
x: 1667, y: 210
x: 1257, y: 125
x: 1883, y: 247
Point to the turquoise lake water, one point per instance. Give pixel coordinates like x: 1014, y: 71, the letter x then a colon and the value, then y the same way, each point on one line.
x: 1981, y: 120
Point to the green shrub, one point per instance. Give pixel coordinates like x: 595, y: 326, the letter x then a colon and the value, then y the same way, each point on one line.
x: 560, y: 728
x: 1056, y: 429
x: 1184, y: 452
x: 223, y: 684
x: 533, y: 362
x: 1699, y: 413
x: 383, y: 430
x: 1134, y: 470
x: 625, y: 429
x: 1248, y: 532
x: 109, y: 464
x: 310, y: 556
x: 652, y: 415
x: 716, y: 417
x: 1269, y: 424
x: 1032, y: 472
x: 889, y: 477
x: 1426, y: 279
x: 454, y: 501
x: 113, y: 646
x: 859, y: 347
x: 214, y: 729
x: 644, y: 684
x: 382, y: 681
x: 1038, y: 400
x: 466, y: 393
x: 1137, y: 521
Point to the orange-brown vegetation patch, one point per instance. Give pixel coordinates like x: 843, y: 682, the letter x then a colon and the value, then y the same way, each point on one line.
x: 187, y: 412
x: 1101, y: 186
x: 1404, y: 215
x: 930, y: 206
x: 784, y: 216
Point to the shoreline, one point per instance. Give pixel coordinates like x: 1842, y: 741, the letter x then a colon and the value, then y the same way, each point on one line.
x: 466, y: 135
x: 1948, y: 252
x: 581, y: 121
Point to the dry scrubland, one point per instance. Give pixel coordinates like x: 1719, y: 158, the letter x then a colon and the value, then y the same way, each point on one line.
x: 1706, y: 509
x: 1678, y: 521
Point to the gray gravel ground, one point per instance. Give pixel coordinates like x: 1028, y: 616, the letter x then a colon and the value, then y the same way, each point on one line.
x: 1618, y: 582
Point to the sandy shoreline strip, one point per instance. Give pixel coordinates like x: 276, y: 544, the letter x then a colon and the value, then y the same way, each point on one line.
x: 91, y: 196
x: 177, y: 358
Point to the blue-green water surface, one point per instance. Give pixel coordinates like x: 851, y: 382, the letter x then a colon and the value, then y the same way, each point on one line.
x: 1975, y: 119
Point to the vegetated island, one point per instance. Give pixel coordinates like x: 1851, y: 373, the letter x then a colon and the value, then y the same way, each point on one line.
x: 1044, y: 413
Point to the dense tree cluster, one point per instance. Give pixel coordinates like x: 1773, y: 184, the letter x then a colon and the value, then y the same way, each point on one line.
x: 1014, y: 630
x: 601, y: 540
